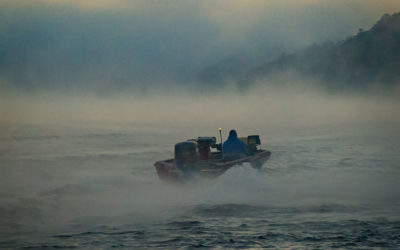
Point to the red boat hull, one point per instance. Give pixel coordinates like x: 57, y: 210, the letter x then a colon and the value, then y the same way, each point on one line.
x: 168, y: 171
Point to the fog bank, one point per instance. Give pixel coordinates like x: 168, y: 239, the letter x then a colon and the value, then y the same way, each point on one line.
x: 262, y: 106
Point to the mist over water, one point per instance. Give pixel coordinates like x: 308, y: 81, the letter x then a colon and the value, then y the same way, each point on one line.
x: 78, y: 172
x: 266, y: 105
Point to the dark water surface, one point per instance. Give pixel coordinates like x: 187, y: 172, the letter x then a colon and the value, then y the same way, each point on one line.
x: 94, y: 187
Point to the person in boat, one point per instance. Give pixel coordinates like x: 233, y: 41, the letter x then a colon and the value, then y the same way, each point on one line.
x: 234, y: 148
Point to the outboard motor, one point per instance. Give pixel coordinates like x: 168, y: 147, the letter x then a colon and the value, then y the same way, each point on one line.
x: 204, y: 144
x: 252, y: 142
x: 185, y: 154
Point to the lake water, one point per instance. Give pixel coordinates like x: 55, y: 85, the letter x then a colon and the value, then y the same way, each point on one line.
x: 95, y: 187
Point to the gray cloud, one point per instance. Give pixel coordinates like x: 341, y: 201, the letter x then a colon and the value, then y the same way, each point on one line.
x: 44, y: 48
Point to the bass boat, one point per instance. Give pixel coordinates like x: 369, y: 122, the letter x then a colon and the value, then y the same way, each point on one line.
x: 195, y: 159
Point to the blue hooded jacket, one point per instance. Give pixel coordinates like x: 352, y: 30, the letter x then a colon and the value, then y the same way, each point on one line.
x: 234, y: 146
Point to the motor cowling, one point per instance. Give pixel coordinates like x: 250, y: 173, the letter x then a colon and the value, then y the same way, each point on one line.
x: 185, y: 153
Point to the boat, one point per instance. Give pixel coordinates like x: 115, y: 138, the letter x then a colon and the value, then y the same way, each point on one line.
x: 194, y: 159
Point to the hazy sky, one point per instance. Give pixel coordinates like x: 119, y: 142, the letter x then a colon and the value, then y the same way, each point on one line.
x: 103, y: 60
x: 106, y: 45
